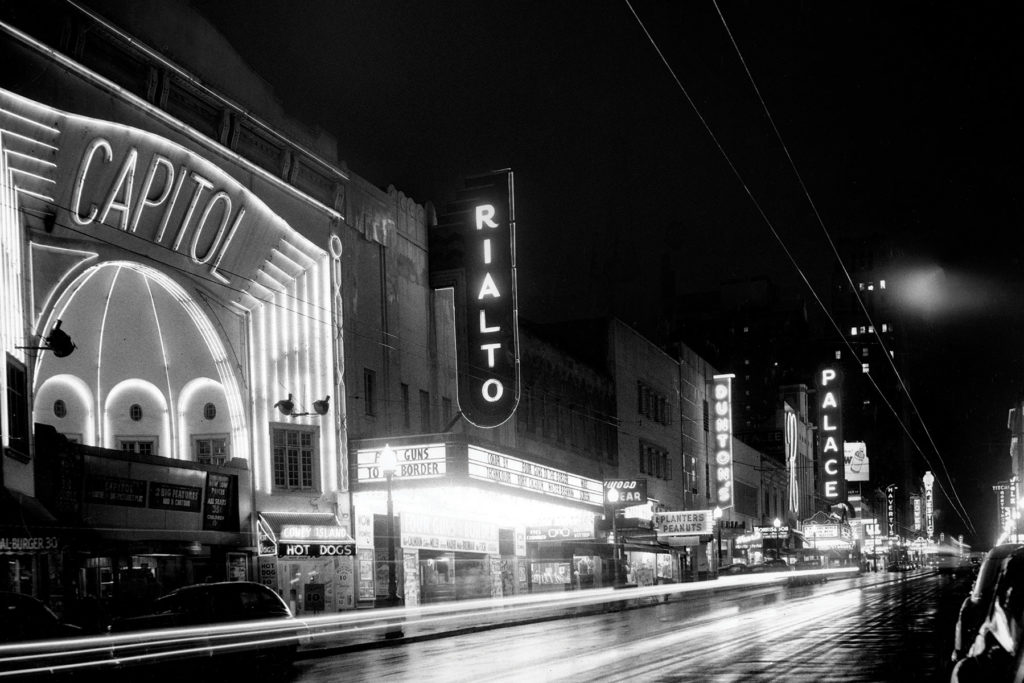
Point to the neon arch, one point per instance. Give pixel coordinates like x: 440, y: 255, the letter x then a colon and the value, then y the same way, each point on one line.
x: 214, y: 344
x: 81, y: 391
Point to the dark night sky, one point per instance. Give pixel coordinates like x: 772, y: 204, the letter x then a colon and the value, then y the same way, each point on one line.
x: 902, y: 118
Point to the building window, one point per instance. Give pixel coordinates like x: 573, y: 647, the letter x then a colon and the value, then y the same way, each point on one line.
x: 425, y: 411
x: 864, y: 352
x: 294, y: 451
x: 839, y: 355
x: 370, y: 391
x: 707, y: 417
x: 853, y: 331
x: 211, y: 450
x: 60, y: 409
x: 406, y: 417
x: 446, y: 409
x: 209, y: 411
x: 146, y: 445
x: 135, y: 412
x: 864, y: 368
x: 881, y: 284
x: 18, y: 414
x: 885, y: 327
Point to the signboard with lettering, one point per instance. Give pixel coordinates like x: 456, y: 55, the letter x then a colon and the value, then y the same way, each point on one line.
x: 855, y: 456
x: 174, y: 497
x: 115, y: 491
x: 624, y: 493
x: 315, y: 549
x: 929, y: 507
x: 413, y: 462
x: 830, y: 435
x: 28, y: 544
x: 535, y: 534
x: 220, y: 507
x: 448, y: 533
x: 472, y: 251
x: 268, y: 571
x: 487, y: 465
x: 721, y: 435
x: 684, y: 523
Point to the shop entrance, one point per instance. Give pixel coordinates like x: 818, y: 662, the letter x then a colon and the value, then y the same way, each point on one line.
x: 453, y: 576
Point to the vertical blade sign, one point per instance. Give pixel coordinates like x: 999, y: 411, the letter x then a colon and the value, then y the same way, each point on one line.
x: 472, y: 251
x: 722, y: 402
x: 830, y: 435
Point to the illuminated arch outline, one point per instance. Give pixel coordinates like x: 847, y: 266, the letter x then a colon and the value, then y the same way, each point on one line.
x: 80, y: 389
x: 218, y: 353
x: 149, y: 388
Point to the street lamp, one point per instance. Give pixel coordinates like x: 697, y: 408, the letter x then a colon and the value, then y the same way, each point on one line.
x: 718, y: 524
x: 777, y: 523
x: 388, y: 464
x: 612, y: 496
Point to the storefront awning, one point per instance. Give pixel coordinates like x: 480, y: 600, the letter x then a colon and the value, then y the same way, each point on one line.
x: 303, y: 534
x: 26, y: 526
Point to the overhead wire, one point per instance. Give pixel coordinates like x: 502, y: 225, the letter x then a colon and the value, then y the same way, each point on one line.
x: 849, y: 279
x: 760, y: 210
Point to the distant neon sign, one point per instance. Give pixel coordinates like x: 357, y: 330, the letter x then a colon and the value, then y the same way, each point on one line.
x: 929, y: 506
x: 830, y: 436
x: 722, y: 438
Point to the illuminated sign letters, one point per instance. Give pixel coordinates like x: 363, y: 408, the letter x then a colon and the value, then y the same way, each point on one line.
x: 498, y: 468
x: 721, y: 390
x: 623, y: 493
x: 929, y: 506
x: 412, y: 462
x: 684, y: 523
x: 830, y: 436
x: 472, y: 251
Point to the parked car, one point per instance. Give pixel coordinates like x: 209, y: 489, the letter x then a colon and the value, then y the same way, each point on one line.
x: 217, y: 603
x: 976, y: 604
x: 209, y: 603
x: 23, y: 617
x: 734, y: 569
x: 997, y: 648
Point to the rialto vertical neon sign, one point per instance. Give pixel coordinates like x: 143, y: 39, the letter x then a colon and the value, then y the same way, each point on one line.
x: 721, y: 390
x: 830, y: 436
x: 472, y: 251
x: 929, y: 503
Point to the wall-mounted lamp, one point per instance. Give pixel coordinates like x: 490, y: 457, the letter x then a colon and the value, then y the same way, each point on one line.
x: 57, y: 342
x: 287, y: 406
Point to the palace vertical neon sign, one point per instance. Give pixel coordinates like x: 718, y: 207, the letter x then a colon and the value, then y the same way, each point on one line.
x: 830, y: 436
x: 722, y: 438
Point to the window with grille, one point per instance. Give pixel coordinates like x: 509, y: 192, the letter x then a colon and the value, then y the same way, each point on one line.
x: 146, y: 445
x: 211, y: 450
x: 18, y: 413
x: 294, y: 451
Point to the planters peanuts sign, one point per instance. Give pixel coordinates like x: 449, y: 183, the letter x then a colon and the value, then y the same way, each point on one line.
x: 472, y: 252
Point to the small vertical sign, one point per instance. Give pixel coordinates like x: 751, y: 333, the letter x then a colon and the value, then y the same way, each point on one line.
x: 830, y: 435
x: 721, y: 393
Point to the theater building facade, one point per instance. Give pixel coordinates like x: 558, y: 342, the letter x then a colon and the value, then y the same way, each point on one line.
x: 193, y: 419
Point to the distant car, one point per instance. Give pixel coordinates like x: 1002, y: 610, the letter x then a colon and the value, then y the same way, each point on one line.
x: 734, y: 569
x: 808, y: 565
x: 976, y: 604
x: 993, y: 654
x: 898, y: 567
x: 775, y: 565
x: 23, y: 617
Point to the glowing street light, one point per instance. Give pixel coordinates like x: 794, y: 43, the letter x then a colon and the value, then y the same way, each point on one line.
x: 777, y: 523
x: 717, y: 514
x: 389, y: 463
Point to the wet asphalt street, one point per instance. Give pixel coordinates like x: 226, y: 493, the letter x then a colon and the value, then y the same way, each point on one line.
x: 887, y: 627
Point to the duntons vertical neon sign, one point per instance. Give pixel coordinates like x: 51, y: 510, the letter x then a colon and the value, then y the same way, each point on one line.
x: 722, y: 438
x: 472, y: 251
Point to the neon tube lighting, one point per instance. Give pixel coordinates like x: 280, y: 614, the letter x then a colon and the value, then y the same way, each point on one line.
x: 29, y: 157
